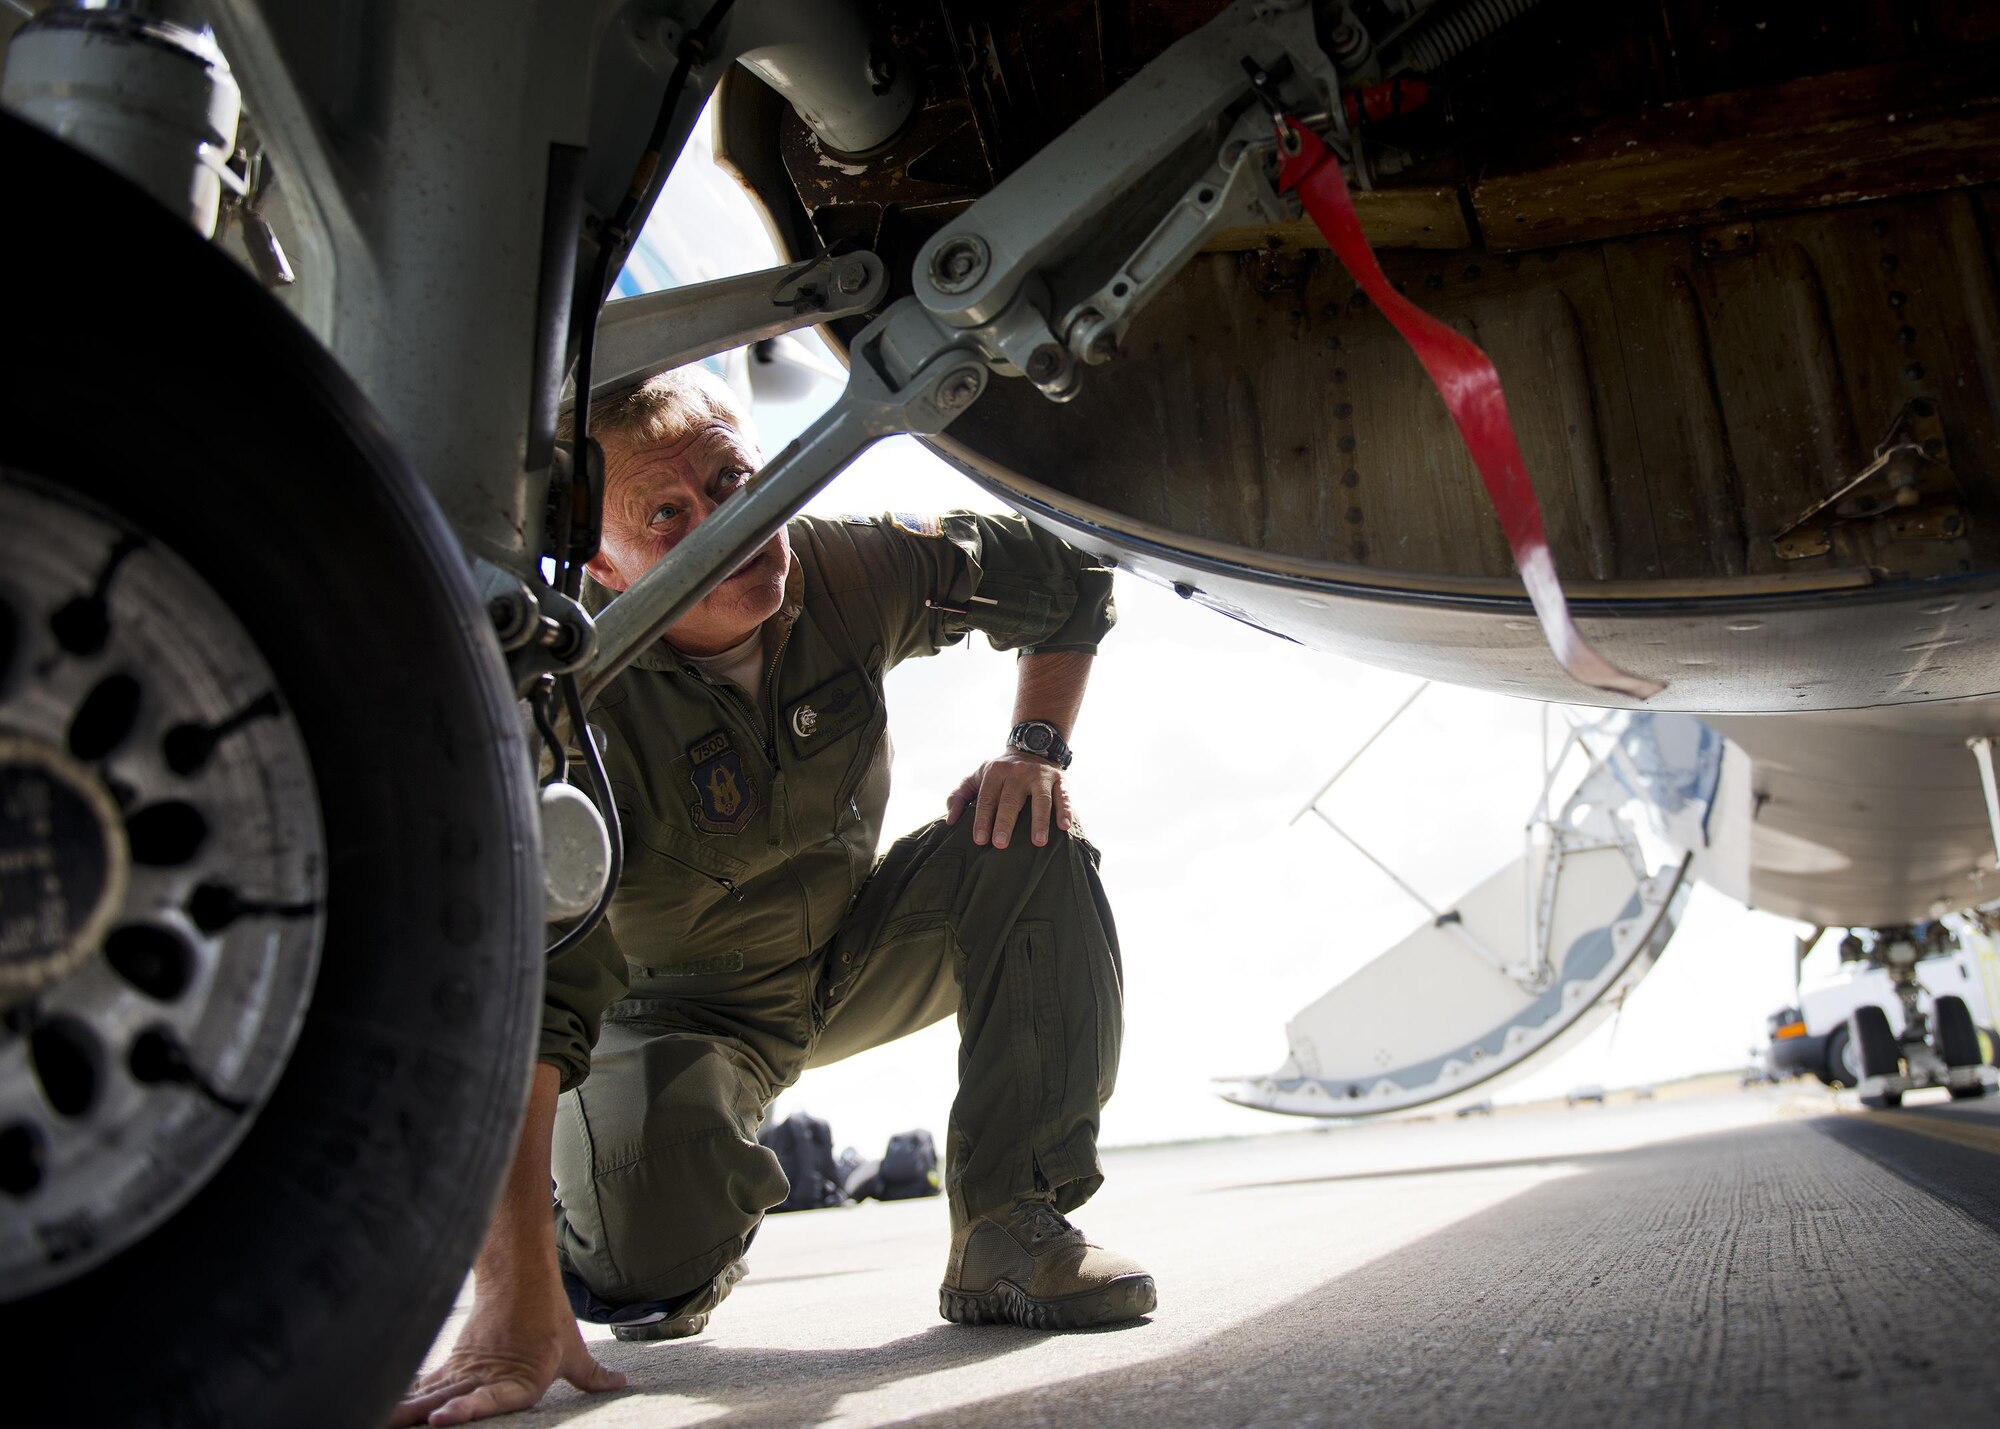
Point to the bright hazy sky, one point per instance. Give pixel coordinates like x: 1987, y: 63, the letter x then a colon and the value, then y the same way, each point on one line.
x: 1199, y: 741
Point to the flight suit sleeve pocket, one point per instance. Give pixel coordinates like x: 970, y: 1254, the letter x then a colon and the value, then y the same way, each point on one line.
x: 1011, y: 613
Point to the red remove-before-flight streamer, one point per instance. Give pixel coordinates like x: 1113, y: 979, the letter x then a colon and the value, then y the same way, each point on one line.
x: 1466, y: 379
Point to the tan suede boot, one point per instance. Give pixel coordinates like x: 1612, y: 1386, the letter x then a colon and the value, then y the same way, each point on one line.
x: 1025, y: 1265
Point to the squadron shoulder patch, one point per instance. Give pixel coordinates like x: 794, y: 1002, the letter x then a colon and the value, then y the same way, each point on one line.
x: 917, y: 525
x: 724, y: 796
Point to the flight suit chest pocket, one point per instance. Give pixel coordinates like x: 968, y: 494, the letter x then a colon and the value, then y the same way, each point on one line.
x: 682, y: 866
x: 828, y: 713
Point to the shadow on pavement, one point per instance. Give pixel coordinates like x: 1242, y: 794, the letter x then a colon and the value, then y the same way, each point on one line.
x: 1443, y: 1168
x: 1762, y: 1276
x: 769, y: 1385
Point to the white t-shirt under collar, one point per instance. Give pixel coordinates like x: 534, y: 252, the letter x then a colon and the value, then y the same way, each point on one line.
x: 742, y: 665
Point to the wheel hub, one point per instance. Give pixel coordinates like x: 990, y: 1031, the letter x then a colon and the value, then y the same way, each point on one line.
x: 63, y: 865
x: 162, y: 884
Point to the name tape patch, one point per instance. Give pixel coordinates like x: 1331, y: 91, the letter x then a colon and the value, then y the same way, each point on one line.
x: 831, y: 710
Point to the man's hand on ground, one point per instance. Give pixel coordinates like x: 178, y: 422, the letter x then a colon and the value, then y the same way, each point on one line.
x: 521, y: 1334
x: 506, y: 1358
x: 999, y: 789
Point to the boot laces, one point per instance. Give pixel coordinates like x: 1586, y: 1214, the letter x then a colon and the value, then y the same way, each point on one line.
x: 1044, y: 1221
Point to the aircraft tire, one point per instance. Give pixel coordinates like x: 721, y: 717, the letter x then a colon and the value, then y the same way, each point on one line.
x: 1834, y: 1071
x: 150, y: 386
x: 1879, y: 1055
x: 1957, y: 1035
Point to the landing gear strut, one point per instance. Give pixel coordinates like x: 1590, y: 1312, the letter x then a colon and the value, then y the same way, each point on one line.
x: 1938, y: 1049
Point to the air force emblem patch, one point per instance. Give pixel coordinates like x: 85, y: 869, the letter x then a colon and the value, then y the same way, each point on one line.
x: 724, y: 796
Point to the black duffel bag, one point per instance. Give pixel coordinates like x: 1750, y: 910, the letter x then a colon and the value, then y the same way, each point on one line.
x: 908, y: 1169
x: 804, y: 1148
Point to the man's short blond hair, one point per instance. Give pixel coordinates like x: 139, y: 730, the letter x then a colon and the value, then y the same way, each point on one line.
x: 661, y: 409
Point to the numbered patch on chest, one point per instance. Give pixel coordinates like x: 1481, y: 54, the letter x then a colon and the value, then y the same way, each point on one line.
x: 725, y: 796
x: 838, y: 707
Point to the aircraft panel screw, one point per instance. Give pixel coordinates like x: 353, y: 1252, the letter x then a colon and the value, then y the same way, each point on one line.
x: 852, y: 277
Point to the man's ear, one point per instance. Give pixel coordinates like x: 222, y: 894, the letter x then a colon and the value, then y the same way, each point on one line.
x: 603, y: 572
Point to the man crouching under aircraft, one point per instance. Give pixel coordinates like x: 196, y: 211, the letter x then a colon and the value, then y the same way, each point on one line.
x: 754, y: 934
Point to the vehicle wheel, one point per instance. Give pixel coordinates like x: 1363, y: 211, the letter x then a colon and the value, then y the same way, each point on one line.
x: 1842, y: 1067
x: 257, y: 1090
x: 1957, y: 1036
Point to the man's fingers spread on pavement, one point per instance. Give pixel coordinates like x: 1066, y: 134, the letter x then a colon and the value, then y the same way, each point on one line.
x: 485, y: 1402
x: 424, y: 1397
x: 592, y: 1377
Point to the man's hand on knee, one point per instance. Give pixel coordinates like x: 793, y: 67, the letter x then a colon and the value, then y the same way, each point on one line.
x: 1000, y: 789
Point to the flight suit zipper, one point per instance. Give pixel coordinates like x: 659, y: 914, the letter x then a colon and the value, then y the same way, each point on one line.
x: 779, y: 808
x: 771, y: 699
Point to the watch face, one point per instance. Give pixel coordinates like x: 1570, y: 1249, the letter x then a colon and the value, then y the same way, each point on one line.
x: 1036, y: 737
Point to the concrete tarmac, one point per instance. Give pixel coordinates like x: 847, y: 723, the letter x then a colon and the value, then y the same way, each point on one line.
x: 1772, y: 1256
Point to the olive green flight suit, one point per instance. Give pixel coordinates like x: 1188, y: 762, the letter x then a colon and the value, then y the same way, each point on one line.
x: 754, y: 935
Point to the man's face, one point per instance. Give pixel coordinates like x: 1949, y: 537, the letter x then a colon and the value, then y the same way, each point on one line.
x: 654, y: 495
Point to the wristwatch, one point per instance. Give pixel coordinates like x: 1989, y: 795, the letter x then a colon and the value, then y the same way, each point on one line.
x: 1040, y: 738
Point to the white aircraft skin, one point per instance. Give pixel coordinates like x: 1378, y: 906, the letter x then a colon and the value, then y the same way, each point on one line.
x: 1844, y: 819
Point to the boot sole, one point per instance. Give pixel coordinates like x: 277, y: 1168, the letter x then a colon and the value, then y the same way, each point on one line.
x: 683, y: 1327
x: 1007, y: 1304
